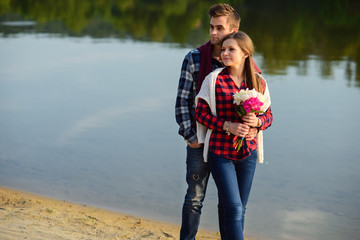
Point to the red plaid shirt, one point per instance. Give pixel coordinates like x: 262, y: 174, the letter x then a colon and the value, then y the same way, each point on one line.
x: 221, y: 143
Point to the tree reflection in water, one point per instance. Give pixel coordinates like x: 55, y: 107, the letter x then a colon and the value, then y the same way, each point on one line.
x: 284, y: 32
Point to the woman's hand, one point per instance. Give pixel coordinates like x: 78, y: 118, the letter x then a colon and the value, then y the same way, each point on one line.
x: 239, y: 129
x: 250, y: 119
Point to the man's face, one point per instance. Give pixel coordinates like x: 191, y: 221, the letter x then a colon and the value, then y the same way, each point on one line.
x: 219, y: 28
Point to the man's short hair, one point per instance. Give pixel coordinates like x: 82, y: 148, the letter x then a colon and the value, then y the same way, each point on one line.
x: 223, y: 9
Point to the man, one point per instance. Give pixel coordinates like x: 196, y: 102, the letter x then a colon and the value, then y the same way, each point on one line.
x: 197, y: 64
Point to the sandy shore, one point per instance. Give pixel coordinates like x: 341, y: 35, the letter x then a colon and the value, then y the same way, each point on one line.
x: 29, y: 216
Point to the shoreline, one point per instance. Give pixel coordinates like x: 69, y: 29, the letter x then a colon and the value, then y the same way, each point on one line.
x: 25, y: 215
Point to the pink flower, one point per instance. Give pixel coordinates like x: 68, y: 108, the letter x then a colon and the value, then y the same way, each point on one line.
x: 246, y: 101
x: 252, y: 104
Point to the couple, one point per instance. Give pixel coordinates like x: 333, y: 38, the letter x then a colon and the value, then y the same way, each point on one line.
x: 220, y: 68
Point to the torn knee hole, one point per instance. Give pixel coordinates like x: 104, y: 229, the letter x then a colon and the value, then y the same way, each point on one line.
x: 196, y: 176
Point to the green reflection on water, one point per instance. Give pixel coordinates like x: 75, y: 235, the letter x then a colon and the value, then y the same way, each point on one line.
x: 285, y: 32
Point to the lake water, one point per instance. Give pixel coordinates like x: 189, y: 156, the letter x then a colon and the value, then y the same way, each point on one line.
x: 93, y: 122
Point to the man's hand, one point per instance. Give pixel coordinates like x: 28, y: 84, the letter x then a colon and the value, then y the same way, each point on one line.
x: 252, y: 134
x: 195, y: 145
x: 238, y: 129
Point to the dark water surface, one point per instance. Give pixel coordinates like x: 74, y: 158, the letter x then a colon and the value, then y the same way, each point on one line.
x: 91, y: 119
x: 93, y: 122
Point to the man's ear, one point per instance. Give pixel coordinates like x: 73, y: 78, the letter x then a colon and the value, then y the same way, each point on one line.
x: 235, y: 30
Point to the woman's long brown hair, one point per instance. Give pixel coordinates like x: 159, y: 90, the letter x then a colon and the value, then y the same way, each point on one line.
x: 252, y: 80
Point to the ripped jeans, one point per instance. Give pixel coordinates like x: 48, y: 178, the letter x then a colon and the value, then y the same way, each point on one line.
x: 197, y: 176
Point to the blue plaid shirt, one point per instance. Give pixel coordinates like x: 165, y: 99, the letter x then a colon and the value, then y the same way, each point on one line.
x: 187, y: 90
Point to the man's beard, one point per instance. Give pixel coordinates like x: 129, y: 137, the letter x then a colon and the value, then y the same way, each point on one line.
x: 215, y: 41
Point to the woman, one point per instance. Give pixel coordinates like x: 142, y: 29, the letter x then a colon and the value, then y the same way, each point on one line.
x: 218, y: 124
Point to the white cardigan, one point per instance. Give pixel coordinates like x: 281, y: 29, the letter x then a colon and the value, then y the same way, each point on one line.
x: 207, y: 92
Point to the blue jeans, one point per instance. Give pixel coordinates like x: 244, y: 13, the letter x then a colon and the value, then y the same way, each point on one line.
x: 197, y: 176
x: 233, y: 180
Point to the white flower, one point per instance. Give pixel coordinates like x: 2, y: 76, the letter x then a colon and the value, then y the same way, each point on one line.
x: 244, y: 95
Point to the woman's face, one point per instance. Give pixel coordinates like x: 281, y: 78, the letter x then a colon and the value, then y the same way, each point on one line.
x: 231, y: 53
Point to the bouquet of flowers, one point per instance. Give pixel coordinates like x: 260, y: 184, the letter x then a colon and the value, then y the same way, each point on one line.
x: 246, y: 101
